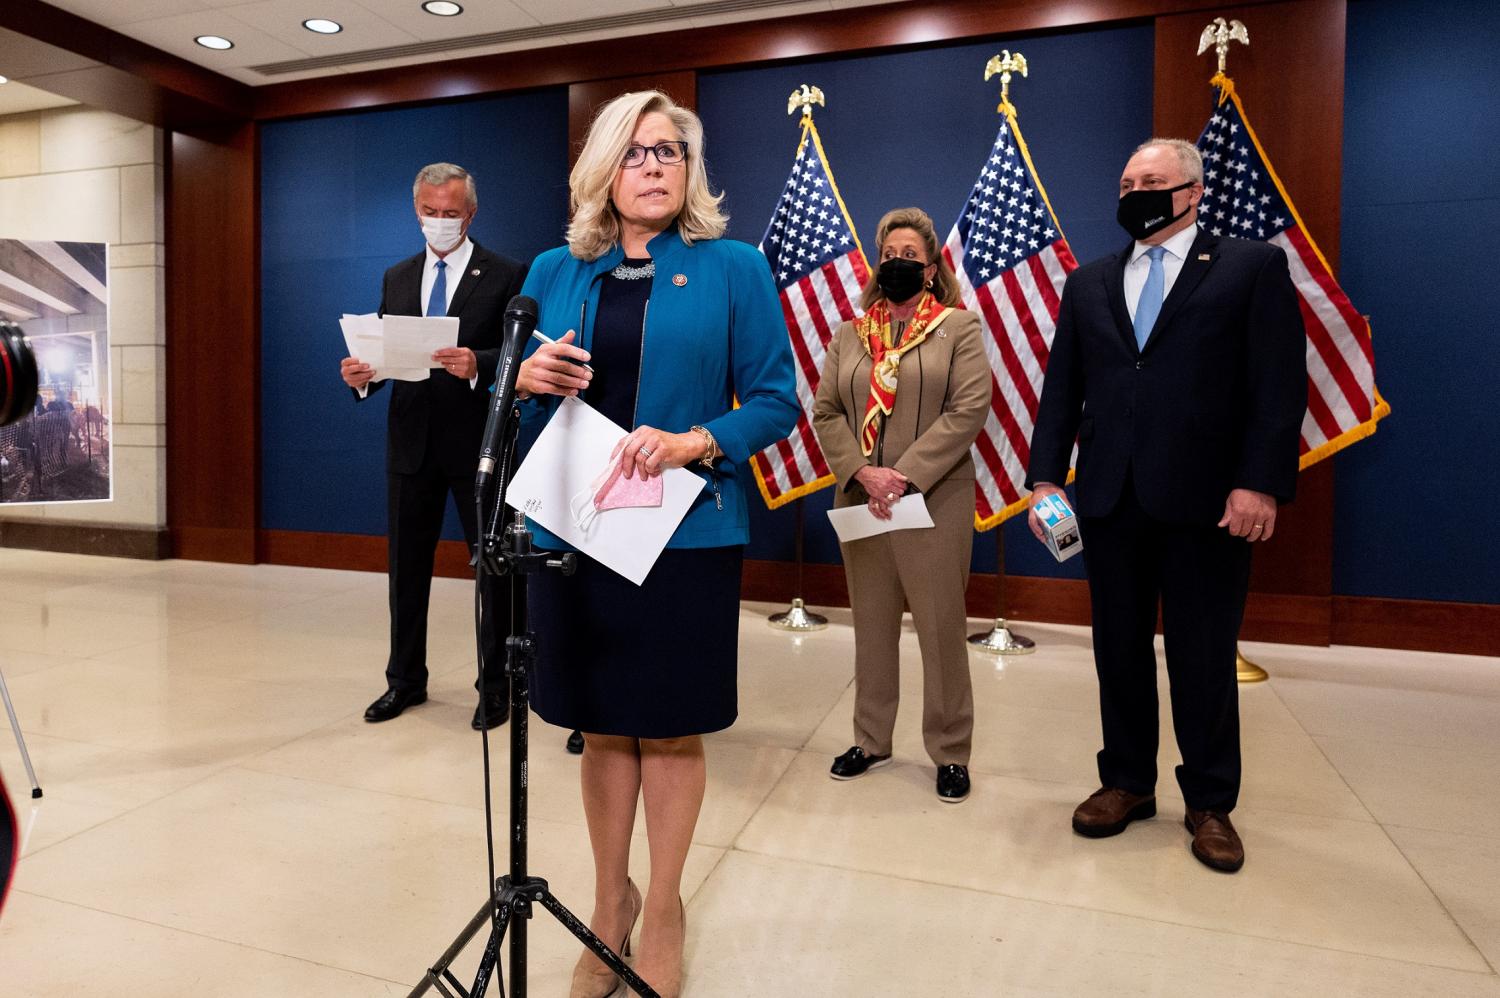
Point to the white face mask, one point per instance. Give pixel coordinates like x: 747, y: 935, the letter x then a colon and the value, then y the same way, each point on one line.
x: 442, y: 234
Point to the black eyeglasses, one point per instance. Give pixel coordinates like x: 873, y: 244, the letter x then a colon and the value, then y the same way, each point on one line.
x: 666, y: 153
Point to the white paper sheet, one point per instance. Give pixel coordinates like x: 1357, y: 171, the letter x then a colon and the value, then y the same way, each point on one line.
x: 398, y: 347
x: 411, y: 340
x: 852, y: 523
x: 564, y: 461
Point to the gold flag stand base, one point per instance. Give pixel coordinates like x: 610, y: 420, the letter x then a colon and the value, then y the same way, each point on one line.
x: 999, y: 640
x: 1247, y: 671
x: 798, y: 618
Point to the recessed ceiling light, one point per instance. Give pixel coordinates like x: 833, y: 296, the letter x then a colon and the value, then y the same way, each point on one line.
x: 214, y: 42
x: 442, y: 8
x: 322, y: 25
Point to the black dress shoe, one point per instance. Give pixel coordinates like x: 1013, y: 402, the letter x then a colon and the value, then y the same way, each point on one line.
x: 952, y: 783
x: 856, y: 763
x: 495, y: 709
x: 392, y: 702
x: 575, y: 742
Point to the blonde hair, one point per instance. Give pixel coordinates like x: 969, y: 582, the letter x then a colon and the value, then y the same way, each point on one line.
x: 944, y: 283
x: 595, y: 225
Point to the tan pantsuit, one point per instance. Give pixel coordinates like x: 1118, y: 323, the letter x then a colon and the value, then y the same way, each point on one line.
x: 942, y: 398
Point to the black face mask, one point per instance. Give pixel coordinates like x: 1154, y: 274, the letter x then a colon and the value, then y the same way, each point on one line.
x: 900, y: 279
x: 1145, y: 213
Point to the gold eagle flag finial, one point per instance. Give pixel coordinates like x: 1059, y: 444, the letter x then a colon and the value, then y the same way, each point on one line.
x: 804, y: 97
x: 1005, y: 64
x: 1219, y: 34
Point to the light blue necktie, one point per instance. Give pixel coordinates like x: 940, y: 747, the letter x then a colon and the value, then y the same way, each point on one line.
x: 1149, y: 306
x: 437, y: 302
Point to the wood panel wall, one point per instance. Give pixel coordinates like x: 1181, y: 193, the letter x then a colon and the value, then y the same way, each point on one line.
x: 213, y: 345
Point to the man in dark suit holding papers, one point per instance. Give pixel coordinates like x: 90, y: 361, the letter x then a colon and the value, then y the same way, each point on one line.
x: 1178, y: 367
x: 434, y: 426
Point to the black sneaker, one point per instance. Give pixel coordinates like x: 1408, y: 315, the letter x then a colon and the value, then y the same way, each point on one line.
x: 952, y: 783
x: 856, y: 763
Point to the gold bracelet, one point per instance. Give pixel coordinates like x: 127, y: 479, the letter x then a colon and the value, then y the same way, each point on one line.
x: 712, y: 452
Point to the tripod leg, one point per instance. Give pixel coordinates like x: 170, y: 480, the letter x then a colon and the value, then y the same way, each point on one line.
x: 439, y: 972
x: 491, y: 957
x: 595, y: 945
x: 15, y: 725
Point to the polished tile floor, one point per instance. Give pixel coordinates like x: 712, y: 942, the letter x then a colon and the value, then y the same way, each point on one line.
x: 220, y: 821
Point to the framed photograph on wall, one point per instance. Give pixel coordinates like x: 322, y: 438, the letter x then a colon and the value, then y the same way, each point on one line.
x: 58, y: 293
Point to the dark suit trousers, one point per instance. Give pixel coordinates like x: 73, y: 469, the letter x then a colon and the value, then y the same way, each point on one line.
x: 416, y: 505
x: 1200, y: 575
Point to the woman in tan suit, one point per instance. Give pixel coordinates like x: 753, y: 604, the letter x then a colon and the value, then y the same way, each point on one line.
x: 886, y: 437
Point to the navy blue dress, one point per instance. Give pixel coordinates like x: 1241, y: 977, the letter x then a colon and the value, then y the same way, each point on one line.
x: 657, y: 660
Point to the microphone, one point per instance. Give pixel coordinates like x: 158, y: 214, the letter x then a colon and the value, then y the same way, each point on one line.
x: 520, y: 321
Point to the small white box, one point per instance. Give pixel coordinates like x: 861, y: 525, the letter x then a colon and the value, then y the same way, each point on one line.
x: 1059, y: 526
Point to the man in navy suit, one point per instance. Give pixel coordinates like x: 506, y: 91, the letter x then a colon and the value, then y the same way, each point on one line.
x: 433, y: 427
x: 1179, y: 368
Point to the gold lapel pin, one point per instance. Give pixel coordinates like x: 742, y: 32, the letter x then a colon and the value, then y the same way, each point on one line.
x: 680, y: 280
x: 475, y: 271
x: 1203, y: 257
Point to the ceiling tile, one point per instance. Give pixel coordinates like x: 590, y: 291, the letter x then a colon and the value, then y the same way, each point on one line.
x: 480, y: 17
x: 112, y: 13
x: 251, y: 46
x: 559, y: 11
x: 282, y: 20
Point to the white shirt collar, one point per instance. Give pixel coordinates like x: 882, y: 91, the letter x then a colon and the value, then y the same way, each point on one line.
x: 457, y: 259
x: 1177, y: 246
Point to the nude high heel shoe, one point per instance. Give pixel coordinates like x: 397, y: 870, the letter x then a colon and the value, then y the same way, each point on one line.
x: 672, y: 987
x: 590, y: 978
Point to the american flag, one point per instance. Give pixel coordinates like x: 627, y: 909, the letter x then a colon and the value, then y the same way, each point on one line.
x: 820, y: 270
x: 1242, y: 196
x: 1011, y: 260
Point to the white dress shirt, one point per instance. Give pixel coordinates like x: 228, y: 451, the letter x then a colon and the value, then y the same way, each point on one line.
x: 458, y: 265
x: 1171, y: 262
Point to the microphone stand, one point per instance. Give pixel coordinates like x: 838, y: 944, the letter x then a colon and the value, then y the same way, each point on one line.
x: 507, y: 551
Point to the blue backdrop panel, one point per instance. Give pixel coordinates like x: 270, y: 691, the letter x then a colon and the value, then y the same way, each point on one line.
x: 1420, y: 211
x: 336, y: 211
x: 913, y: 128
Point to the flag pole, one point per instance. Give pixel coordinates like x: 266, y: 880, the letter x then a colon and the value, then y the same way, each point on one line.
x: 1000, y: 639
x: 798, y: 617
x: 1219, y: 34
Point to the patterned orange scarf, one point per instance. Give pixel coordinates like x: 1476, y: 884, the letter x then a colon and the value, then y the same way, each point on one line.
x: 874, y: 331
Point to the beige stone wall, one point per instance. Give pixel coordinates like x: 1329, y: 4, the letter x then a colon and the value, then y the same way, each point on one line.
x: 76, y: 174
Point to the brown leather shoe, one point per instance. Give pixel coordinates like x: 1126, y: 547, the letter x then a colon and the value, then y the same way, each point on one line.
x: 1215, y: 842
x: 1108, y: 810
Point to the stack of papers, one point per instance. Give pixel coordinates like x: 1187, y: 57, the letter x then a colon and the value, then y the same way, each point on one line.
x: 398, y: 347
x: 566, y: 459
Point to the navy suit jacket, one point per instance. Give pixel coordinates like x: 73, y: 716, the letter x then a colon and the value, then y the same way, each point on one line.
x: 443, y: 415
x: 1212, y: 403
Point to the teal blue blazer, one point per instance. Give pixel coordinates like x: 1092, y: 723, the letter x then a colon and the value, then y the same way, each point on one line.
x: 714, y: 333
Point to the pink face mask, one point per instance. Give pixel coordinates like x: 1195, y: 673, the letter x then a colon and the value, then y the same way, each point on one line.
x: 612, y: 490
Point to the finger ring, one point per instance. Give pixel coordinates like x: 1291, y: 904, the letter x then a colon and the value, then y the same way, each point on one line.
x: 646, y: 451
x: 1260, y: 526
x: 890, y: 497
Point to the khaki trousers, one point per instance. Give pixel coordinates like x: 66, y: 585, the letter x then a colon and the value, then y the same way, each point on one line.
x: 927, y: 572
